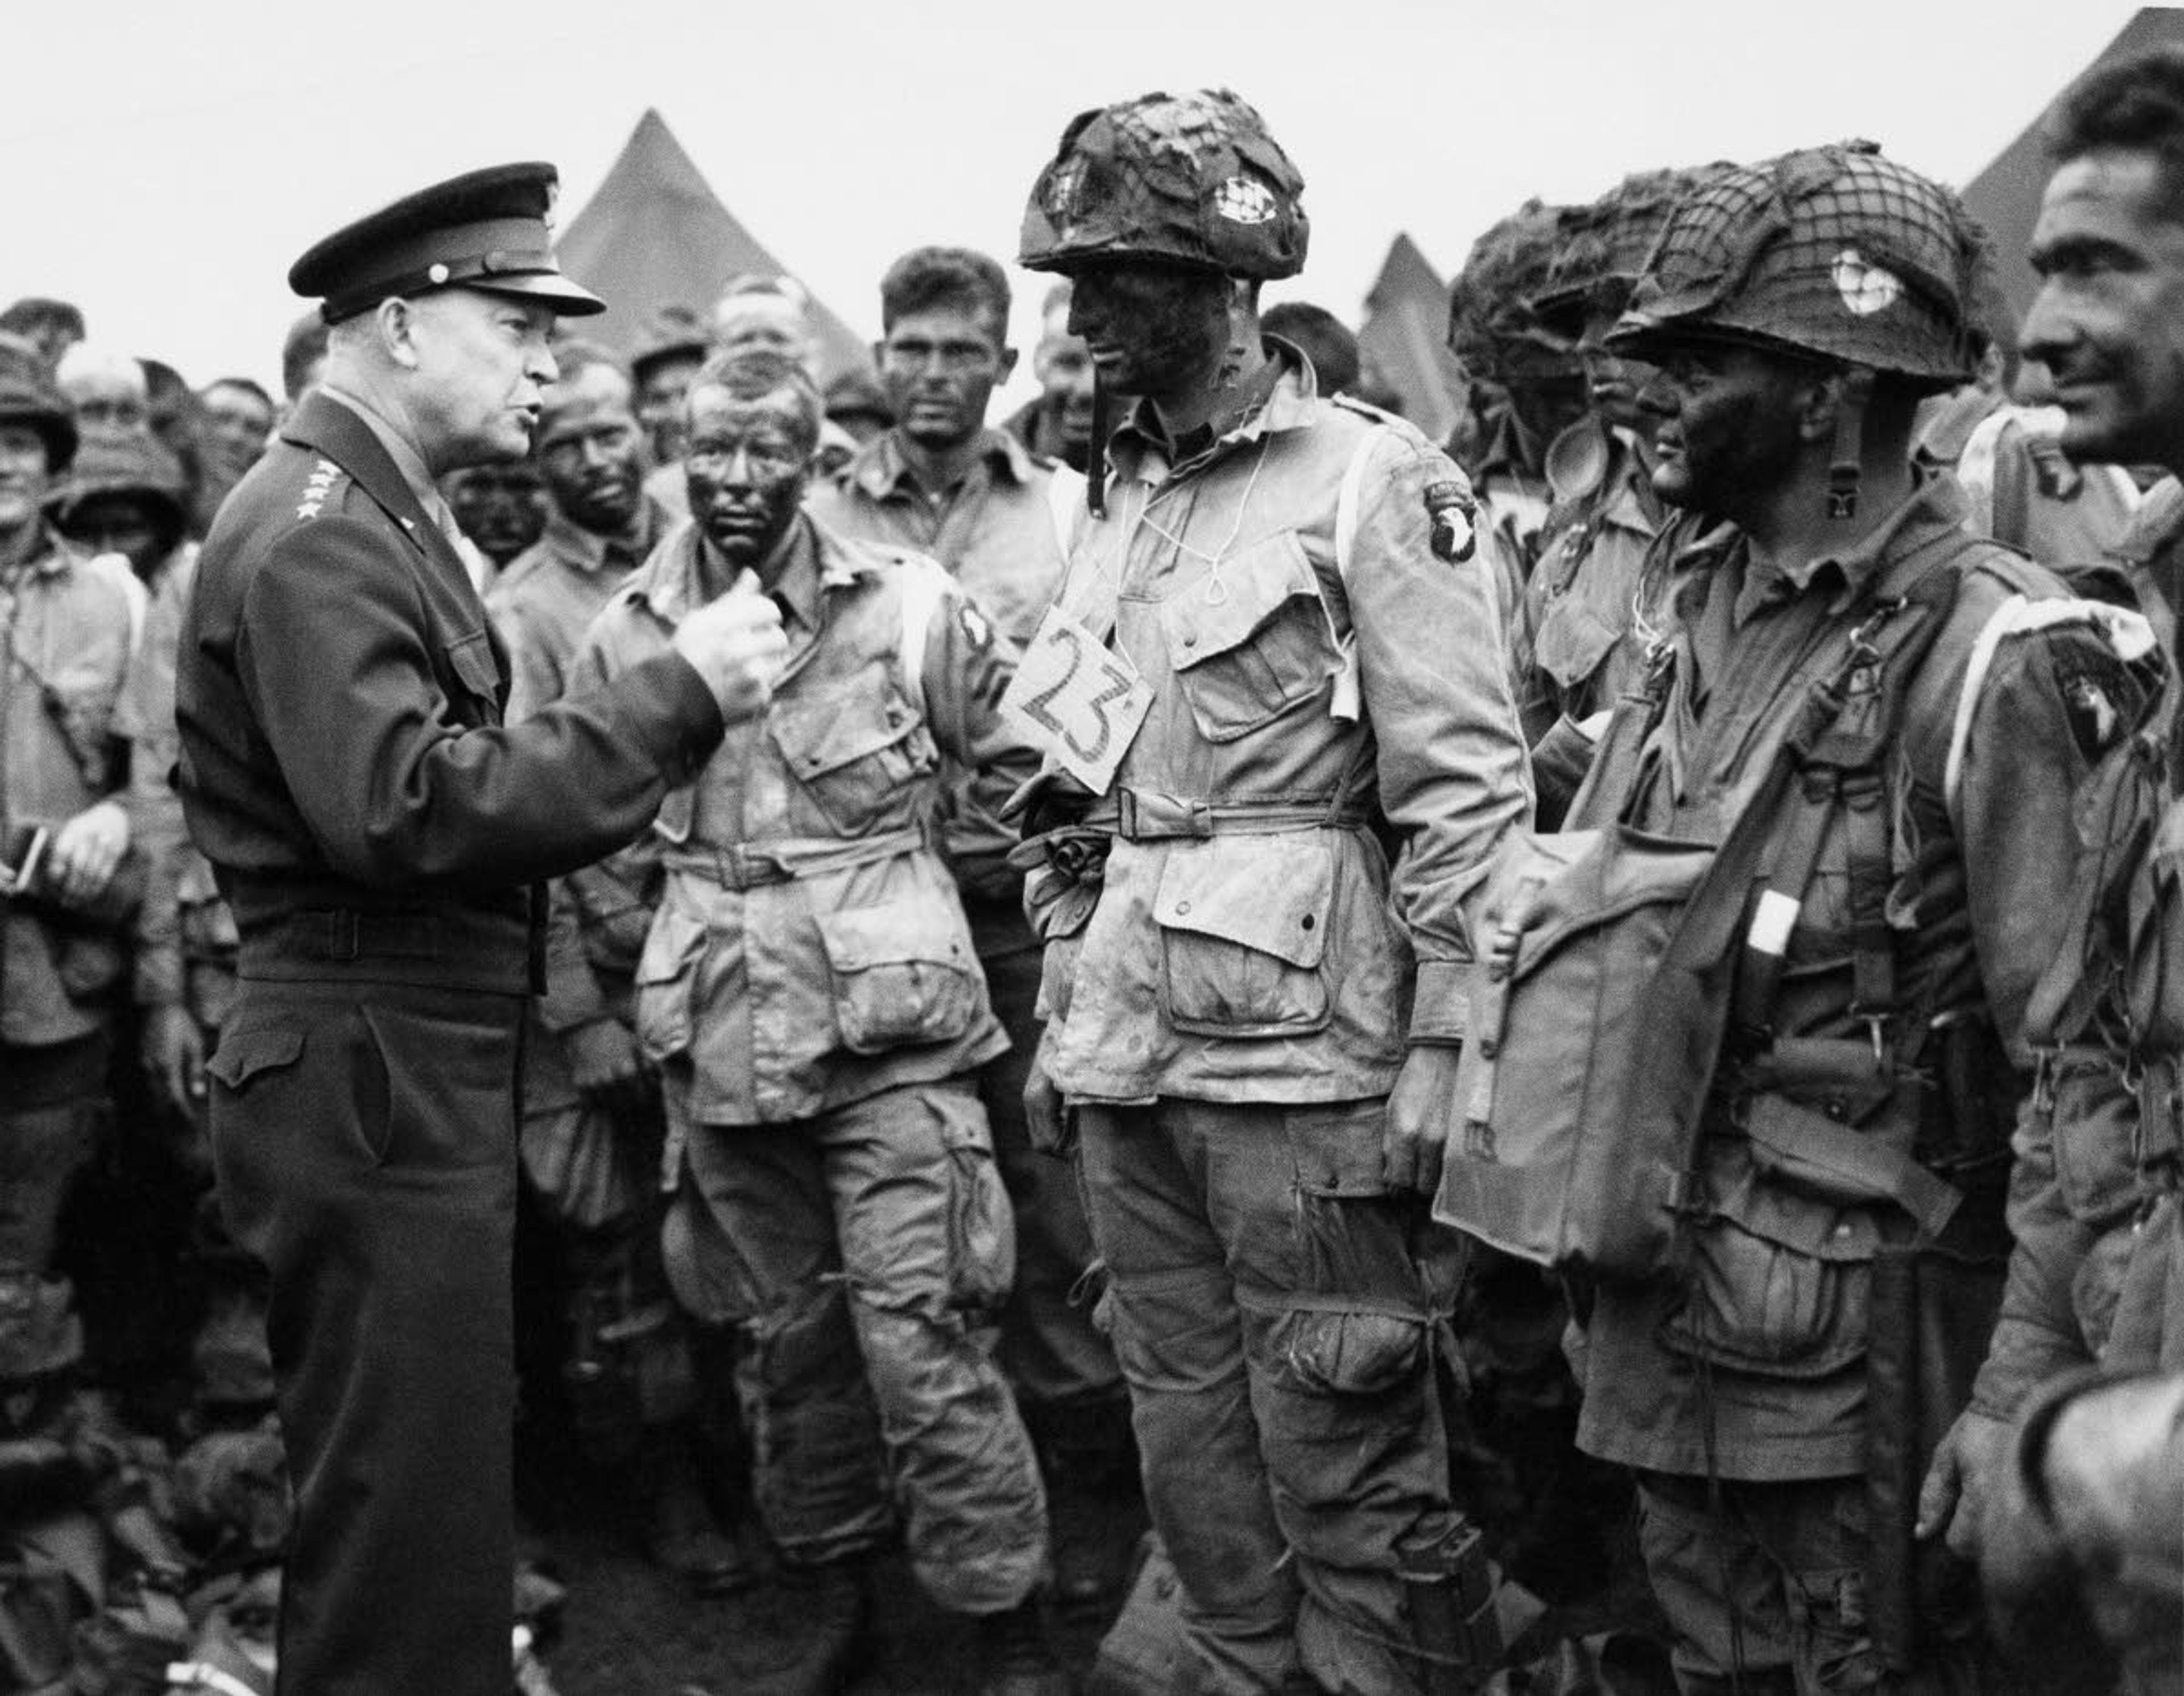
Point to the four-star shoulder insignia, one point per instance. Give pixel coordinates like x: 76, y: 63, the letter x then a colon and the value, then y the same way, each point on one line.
x: 316, y: 488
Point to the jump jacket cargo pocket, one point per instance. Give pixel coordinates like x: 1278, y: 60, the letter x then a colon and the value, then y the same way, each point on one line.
x: 1780, y: 1282
x: 1251, y: 639
x: 1573, y: 640
x: 2092, y: 1123
x: 982, y: 1246
x: 666, y: 975
x: 903, y: 974
x: 851, y: 749
x: 1243, y: 928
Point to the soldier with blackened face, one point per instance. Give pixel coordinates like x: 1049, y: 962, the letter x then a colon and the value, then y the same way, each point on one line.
x: 1274, y: 650
x: 1877, y: 721
x: 811, y: 991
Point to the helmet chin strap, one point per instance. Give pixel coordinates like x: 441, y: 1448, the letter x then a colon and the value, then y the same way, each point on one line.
x: 1096, y: 454
x: 1848, y: 460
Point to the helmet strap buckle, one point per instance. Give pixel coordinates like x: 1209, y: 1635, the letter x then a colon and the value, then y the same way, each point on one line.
x: 1846, y: 461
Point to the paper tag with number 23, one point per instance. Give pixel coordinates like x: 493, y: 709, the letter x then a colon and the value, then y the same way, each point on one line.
x: 1077, y: 699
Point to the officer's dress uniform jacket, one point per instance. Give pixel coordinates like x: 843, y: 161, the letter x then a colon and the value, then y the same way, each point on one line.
x: 811, y: 990
x: 377, y: 834
x: 1230, y: 1012
x: 1755, y: 1369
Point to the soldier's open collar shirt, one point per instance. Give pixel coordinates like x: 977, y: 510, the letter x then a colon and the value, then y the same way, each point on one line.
x: 882, y: 470
x: 1935, y: 502
x: 548, y: 596
x: 997, y: 533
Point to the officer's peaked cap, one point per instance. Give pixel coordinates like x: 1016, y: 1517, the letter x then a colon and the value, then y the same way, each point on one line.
x: 486, y: 229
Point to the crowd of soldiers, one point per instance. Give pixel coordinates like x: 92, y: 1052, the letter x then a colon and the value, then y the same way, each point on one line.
x: 1451, y: 1025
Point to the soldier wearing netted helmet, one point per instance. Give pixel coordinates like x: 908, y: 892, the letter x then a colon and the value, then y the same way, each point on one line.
x: 1881, y: 719
x: 1526, y: 381
x: 1586, y: 619
x: 1274, y: 636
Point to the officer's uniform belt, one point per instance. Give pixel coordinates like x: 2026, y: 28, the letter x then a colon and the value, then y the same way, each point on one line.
x: 449, y: 948
x: 1149, y: 816
x: 452, y: 946
x: 751, y: 865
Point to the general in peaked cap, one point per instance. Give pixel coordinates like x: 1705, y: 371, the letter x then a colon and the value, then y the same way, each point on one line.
x: 486, y: 229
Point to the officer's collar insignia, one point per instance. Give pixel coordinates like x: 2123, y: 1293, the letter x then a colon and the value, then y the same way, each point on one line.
x: 1241, y: 200
x: 316, y: 488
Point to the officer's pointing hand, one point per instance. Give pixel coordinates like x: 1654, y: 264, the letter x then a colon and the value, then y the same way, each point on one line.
x: 736, y: 643
x: 1420, y: 1110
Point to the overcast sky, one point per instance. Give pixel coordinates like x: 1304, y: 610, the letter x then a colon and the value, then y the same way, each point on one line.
x: 170, y: 161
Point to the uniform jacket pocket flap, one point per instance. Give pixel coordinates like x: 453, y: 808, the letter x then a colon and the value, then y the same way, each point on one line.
x: 904, y: 974
x: 470, y: 658
x: 243, y: 1054
x: 1816, y: 1229
x: 1248, y: 587
x: 1271, y: 893
x: 1573, y: 640
x: 865, y: 937
x: 823, y: 735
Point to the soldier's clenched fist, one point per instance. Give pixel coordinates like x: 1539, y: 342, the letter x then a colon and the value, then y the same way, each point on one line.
x: 736, y: 643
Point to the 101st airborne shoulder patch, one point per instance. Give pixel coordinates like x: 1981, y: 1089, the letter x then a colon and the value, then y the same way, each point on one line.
x: 1453, y: 515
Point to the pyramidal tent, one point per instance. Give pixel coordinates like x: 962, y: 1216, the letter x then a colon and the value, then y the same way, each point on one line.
x: 1404, y: 339
x: 2005, y: 196
x: 655, y: 235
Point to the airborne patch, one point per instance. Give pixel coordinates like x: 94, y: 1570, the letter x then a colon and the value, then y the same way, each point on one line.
x: 1451, y: 513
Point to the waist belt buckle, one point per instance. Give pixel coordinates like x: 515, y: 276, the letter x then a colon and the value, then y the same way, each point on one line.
x: 1126, y: 814
x: 749, y: 869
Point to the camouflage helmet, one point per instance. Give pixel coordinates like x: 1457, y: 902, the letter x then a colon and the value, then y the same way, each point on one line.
x: 1605, y: 247
x: 1835, y: 252
x: 1192, y: 178
x: 1494, y: 328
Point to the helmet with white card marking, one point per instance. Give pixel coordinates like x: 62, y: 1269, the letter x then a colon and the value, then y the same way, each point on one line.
x: 1834, y: 252
x: 1191, y: 178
